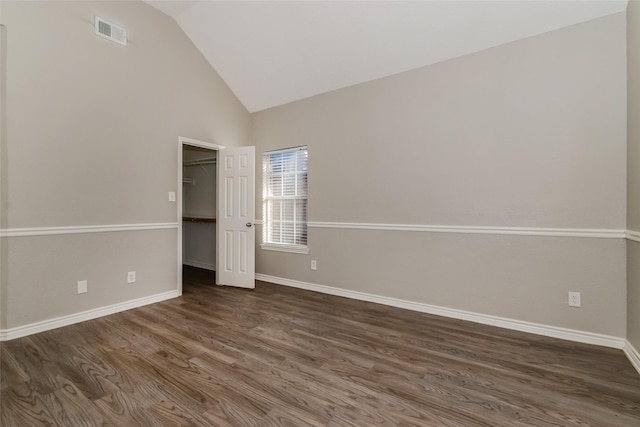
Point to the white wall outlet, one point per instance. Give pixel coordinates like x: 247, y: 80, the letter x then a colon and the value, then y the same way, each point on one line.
x: 172, y: 196
x: 314, y: 265
x: 131, y: 277
x: 574, y: 299
x: 82, y: 286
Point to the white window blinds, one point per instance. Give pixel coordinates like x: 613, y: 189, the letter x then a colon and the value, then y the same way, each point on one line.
x: 284, y: 197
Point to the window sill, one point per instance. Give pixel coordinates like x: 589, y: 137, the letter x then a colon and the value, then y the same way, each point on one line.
x: 285, y: 248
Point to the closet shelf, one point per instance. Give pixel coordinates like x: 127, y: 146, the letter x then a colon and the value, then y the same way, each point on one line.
x: 194, y: 218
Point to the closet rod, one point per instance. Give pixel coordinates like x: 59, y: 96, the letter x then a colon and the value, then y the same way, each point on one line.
x: 208, y: 161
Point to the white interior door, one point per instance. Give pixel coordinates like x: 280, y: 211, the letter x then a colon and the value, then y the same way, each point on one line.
x: 236, y: 210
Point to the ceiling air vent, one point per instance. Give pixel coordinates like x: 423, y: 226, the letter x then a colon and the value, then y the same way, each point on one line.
x: 111, y: 31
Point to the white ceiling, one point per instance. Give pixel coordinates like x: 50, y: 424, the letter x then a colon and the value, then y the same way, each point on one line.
x: 274, y: 52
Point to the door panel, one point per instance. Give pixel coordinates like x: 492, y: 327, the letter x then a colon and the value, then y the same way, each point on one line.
x: 235, y: 222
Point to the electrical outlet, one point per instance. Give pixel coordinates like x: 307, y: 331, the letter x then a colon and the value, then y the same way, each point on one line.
x: 314, y: 266
x: 131, y: 277
x: 82, y: 286
x: 574, y: 299
x: 172, y: 196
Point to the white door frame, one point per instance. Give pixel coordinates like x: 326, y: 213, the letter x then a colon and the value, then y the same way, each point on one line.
x: 182, y: 141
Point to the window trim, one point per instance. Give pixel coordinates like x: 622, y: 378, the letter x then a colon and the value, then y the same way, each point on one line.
x: 281, y: 247
x: 274, y: 246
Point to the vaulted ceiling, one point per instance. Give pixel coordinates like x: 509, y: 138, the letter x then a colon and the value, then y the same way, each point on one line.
x: 274, y: 52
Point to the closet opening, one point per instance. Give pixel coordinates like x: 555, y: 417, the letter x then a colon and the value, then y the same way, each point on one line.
x: 197, y: 211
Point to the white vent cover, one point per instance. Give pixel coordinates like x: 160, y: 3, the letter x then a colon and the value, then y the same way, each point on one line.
x: 111, y: 31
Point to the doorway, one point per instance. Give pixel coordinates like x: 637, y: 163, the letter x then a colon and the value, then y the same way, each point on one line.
x: 197, y: 208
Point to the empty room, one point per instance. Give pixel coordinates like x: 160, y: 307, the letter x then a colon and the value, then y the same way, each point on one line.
x: 323, y: 213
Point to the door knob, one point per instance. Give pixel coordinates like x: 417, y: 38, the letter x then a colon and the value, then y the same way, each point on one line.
x: 249, y: 224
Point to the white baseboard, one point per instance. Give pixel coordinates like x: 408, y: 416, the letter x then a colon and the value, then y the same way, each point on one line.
x: 502, y: 322
x: 633, y: 355
x: 198, y: 264
x: 58, y: 322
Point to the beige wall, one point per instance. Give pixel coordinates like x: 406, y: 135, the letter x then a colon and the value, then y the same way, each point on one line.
x: 4, y: 181
x: 529, y: 134
x: 118, y: 111
x: 633, y: 170
x: 48, y: 267
x: 92, y: 139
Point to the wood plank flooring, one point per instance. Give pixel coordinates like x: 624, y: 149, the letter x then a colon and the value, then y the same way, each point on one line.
x: 277, y: 356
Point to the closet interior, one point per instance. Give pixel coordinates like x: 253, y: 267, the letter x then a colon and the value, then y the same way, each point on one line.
x: 199, y: 207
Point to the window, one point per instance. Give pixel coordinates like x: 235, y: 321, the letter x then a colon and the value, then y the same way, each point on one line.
x: 284, y: 200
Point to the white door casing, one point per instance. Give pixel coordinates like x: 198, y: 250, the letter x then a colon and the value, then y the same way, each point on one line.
x: 236, y: 212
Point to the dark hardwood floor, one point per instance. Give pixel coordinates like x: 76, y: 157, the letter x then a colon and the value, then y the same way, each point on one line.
x: 277, y: 356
